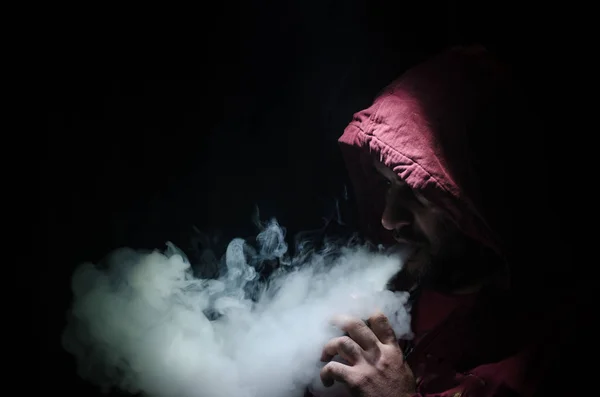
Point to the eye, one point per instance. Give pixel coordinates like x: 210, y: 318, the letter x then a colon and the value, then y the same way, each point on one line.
x: 386, y: 182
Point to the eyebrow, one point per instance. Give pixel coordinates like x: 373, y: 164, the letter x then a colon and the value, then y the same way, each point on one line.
x: 387, y: 173
x: 392, y: 177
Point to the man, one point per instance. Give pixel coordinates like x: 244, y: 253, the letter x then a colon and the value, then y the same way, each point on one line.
x: 445, y: 164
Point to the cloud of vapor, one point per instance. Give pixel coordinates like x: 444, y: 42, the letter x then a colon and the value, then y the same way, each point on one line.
x: 141, y: 321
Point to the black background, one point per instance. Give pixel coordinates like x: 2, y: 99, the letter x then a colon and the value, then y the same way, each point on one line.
x: 251, y: 100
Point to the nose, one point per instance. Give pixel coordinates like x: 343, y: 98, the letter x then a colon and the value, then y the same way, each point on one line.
x: 395, y: 216
x: 389, y: 224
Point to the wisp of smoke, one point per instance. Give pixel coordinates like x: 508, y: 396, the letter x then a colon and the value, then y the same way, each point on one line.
x: 141, y: 321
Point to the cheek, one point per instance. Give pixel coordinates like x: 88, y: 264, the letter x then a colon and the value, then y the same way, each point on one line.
x: 426, y: 224
x: 433, y: 229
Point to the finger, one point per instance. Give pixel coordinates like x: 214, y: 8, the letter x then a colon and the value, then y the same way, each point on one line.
x: 382, y: 328
x: 357, y: 330
x: 334, y: 371
x: 348, y: 349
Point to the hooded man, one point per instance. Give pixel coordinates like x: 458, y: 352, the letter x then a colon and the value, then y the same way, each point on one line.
x: 446, y: 166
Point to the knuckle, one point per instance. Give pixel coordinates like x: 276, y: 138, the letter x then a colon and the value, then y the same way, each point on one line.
x: 358, y: 381
x: 346, y: 343
x: 327, y: 371
x: 385, y: 362
x: 330, y: 344
x: 378, y: 318
x: 392, y: 352
x: 390, y: 357
x: 356, y: 321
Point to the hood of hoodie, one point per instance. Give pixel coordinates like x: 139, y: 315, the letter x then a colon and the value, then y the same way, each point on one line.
x: 453, y: 128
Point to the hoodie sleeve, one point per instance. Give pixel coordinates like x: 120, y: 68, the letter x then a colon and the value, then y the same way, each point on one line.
x: 517, y: 376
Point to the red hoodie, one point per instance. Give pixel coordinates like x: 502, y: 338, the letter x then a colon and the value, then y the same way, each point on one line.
x: 442, y: 128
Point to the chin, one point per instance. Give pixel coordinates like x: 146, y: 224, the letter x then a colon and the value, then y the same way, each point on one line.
x: 416, y: 257
x: 414, y: 267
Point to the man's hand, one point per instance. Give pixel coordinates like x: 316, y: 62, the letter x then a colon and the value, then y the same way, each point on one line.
x: 375, y: 364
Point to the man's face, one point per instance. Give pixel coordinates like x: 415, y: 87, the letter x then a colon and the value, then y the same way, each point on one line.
x: 416, y: 224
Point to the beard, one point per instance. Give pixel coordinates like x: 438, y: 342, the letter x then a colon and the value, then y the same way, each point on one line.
x: 450, y: 262
x: 463, y: 262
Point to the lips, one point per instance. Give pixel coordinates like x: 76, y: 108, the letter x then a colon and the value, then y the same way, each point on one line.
x: 403, y: 240
x: 408, y: 241
x: 407, y: 236
x: 407, y: 252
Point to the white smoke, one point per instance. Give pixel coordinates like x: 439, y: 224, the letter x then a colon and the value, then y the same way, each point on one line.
x: 143, y: 323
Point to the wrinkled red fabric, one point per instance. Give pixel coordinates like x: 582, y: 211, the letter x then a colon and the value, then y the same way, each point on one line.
x: 430, y: 128
x: 418, y: 127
